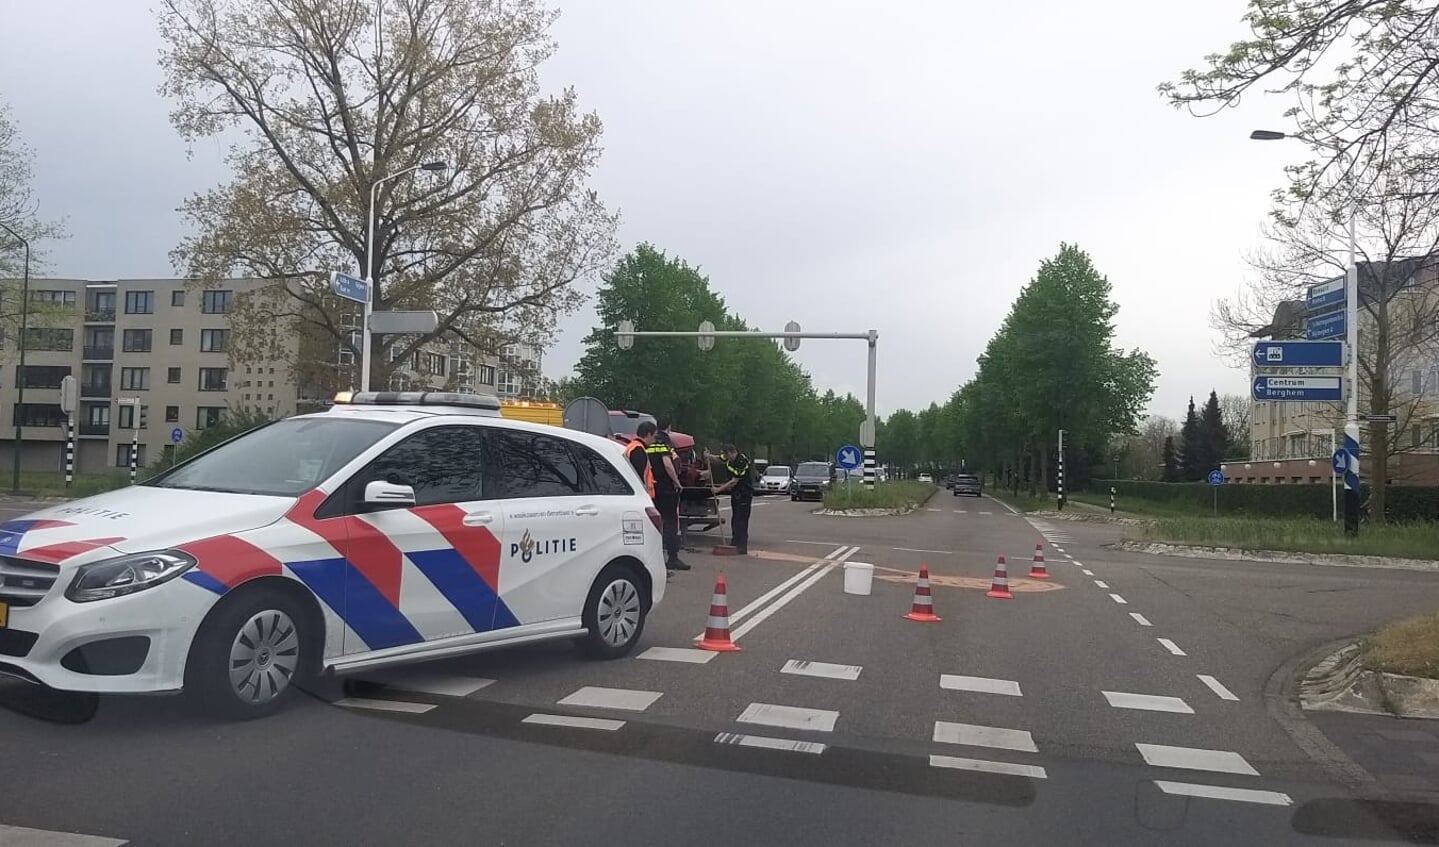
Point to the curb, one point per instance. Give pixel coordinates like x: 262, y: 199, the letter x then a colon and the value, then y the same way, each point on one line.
x: 1332, y: 560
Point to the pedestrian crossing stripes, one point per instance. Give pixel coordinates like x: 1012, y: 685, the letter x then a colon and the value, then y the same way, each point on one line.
x: 1147, y: 702
x: 767, y: 743
x: 789, y: 717
x: 574, y: 722
x: 612, y: 698
x: 1003, y: 768
x: 1195, y: 759
x: 821, y: 669
x: 971, y: 735
x: 1220, y: 792
x: 979, y: 684
x: 21, y: 836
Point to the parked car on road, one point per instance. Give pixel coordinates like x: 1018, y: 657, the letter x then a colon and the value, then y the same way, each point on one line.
x: 811, y: 480
x: 776, y: 480
x: 967, y: 484
x: 924, y: 477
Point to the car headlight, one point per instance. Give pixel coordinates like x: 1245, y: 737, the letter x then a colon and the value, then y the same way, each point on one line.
x: 127, y: 574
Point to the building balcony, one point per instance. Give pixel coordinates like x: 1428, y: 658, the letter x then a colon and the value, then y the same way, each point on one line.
x: 102, y: 390
x: 99, y: 316
x: 87, y: 428
x: 98, y: 353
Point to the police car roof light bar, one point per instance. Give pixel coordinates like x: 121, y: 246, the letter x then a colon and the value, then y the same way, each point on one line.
x: 418, y: 398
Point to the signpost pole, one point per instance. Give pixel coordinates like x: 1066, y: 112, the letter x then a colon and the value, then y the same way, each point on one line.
x: 69, y: 450
x: 869, y: 431
x: 1333, y: 478
x: 1351, y: 422
x: 1061, y: 470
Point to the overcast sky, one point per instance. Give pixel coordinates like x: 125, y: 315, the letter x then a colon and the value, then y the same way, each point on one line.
x: 901, y: 166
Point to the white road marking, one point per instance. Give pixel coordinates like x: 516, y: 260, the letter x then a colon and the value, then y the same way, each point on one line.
x: 1101, y: 583
x: 1012, y: 510
x: 678, y: 654
x: 934, y: 510
x: 1171, y: 646
x: 1195, y: 759
x: 1219, y: 792
x: 764, y: 741
x: 1140, y: 619
x: 986, y: 513
x: 973, y: 735
x: 773, y: 592
x: 385, y: 705
x: 790, y: 717
x: 1087, y: 572
x: 1078, y: 563
x: 1147, y: 702
x: 821, y: 669
x: 1005, y: 768
x: 983, y: 685
x: 1060, y: 549
x: 960, y: 512
x: 1217, y: 687
x: 574, y: 722
x: 612, y: 698
x: 445, y: 686
x: 19, y: 836
x: 1071, y: 558
x: 815, y: 543
x: 763, y: 614
x: 1120, y: 600
x: 917, y: 550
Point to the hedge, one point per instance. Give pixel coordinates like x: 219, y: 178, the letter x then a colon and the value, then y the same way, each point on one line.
x: 1405, y: 502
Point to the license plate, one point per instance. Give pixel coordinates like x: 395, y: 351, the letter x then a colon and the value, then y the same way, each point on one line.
x: 4, y: 615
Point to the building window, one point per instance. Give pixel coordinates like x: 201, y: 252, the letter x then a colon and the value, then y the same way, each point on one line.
x: 435, y: 364
x: 209, y: 416
x: 486, y: 375
x: 172, y: 375
x: 215, y: 302
x: 1416, y: 382
x: 177, y: 337
x: 127, y: 417
x: 177, y: 298
x: 139, y: 302
x: 99, y: 342
x: 214, y: 340
x: 41, y: 376
x: 56, y: 298
x: 122, y: 455
x: 134, y: 379
x: 213, y: 379
x: 49, y: 338
x: 39, y: 414
x: 509, y: 384
x: 136, y: 341
x: 99, y: 415
x: 172, y: 414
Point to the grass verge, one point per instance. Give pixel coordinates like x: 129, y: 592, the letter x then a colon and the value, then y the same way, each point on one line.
x: 47, y: 484
x: 1409, y: 647
x: 900, y: 494
x: 1299, y: 535
x: 1133, y: 506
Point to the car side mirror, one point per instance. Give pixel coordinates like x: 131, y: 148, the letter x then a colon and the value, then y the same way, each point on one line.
x: 380, y: 494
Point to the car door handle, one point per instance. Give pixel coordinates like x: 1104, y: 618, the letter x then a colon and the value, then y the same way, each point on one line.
x: 478, y: 519
x: 587, y: 510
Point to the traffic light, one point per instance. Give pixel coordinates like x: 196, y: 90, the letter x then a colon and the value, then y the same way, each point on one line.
x: 144, y: 415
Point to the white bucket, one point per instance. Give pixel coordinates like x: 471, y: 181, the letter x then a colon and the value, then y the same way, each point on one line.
x: 858, y: 577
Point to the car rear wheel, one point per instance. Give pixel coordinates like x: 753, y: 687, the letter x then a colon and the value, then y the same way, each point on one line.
x: 249, y: 654
x: 614, y: 613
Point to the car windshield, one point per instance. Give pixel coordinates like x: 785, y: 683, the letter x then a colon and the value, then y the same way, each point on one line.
x: 622, y: 424
x: 812, y: 469
x: 282, y: 459
x: 779, y: 471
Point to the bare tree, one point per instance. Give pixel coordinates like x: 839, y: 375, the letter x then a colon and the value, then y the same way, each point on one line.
x: 19, y: 208
x: 1234, y: 410
x: 329, y: 102
x: 1398, y: 238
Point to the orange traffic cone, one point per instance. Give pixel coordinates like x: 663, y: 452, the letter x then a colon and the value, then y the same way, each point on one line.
x: 716, y: 635
x: 922, y: 609
x: 1036, y: 570
x: 999, y: 588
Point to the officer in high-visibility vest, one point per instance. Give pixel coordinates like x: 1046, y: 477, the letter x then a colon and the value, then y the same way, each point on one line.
x: 667, y: 492
x: 635, y: 452
x: 741, y: 495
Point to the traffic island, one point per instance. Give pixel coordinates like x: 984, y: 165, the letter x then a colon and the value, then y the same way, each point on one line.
x: 885, y: 499
x: 1395, y: 671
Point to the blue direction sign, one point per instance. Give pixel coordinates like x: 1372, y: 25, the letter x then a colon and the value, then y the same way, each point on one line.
x: 847, y: 457
x: 177, y: 435
x: 1216, y: 477
x: 1330, y: 325
x: 1298, y: 388
x: 1299, y: 354
x: 349, y: 287
x: 1326, y: 294
x: 1339, y: 461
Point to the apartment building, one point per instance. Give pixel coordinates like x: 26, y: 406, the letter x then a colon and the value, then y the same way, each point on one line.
x: 169, y: 344
x: 519, y: 374
x: 1291, y: 442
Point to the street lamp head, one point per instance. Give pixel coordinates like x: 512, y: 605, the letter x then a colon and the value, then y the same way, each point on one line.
x: 1266, y: 135
x: 434, y: 166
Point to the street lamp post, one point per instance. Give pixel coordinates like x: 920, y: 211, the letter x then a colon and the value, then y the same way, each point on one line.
x: 369, y: 305
x: 20, y: 377
x: 1351, y: 340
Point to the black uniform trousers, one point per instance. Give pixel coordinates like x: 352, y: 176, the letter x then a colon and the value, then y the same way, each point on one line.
x: 668, y: 504
x: 739, y: 521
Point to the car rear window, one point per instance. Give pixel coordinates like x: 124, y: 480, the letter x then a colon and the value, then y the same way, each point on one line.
x: 966, y: 478
x: 813, y: 469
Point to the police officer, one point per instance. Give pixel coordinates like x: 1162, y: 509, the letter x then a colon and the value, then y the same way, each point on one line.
x: 741, y: 495
x: 667, y: 492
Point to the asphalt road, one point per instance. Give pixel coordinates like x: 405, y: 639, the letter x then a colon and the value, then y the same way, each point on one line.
x: 1127, y: 700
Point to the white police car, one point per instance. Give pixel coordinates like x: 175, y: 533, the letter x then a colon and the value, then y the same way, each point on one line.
x: 390, y: 529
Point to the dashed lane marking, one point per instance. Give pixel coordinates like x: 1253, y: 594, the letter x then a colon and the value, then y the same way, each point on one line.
x: 1120, y: 600
x: 973, y: 735
x: 598, y: 697
x: 835, y: 558
x: 1101, y: 583
x: 979, y: 684
x: 918, y: 550
x: 821, y: 669
x: 384, y: 705
x: 789, y: 717
x: 678, y: 654
x: 1171, y: 646
x: 768, y: 743
x: 1195, y: 759
x: 21, y: 836
x: 1005, y: 768
x: 1140, y: 619
x: 1217, y: 687
x: 574, y: 722
x: 1087, y: 572
x: 1068, y: 556
x: 1219, y: 792
x: 1147, y: 702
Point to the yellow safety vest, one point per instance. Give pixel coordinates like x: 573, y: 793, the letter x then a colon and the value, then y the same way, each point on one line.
x: 649, y: 474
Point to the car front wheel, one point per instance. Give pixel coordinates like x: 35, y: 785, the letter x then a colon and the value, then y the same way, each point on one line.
x: 615, y: 613
x: 249, y: 654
